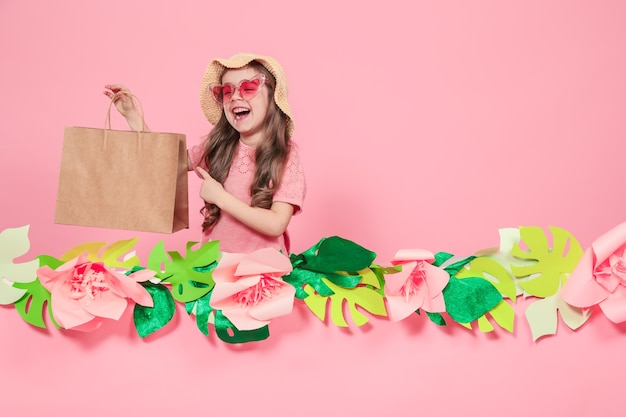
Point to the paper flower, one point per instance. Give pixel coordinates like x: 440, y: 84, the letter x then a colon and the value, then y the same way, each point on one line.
x: 84, y: 293
x: 600, y: 276
x: 249, y: 289
x: 419, y: 285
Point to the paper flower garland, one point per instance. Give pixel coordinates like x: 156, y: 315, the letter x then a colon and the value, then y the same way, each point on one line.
x: 240, y: 294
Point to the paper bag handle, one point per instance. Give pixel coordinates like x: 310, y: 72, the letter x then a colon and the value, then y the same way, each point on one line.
x: 107, y: 121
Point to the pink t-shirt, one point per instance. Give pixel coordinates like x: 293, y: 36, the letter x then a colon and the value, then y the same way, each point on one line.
x: 234, y: 236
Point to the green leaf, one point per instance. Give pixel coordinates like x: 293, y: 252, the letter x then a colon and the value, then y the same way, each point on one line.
x: 491, y: 270
x: 191, y: 277
x: 469, y: 298
x: 436, y: 318
x: 223, y: 328
x: 365, y: 296
x: 201, y: 308
x: 151, y: 319
x: 552, y: 266
x: 332, y: 259
x: 37, y: 298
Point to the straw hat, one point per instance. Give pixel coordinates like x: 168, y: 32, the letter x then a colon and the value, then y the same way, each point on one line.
x: 213, y: 75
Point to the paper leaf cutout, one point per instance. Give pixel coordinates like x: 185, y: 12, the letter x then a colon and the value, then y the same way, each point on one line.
x: 542, y: 316
x: 365, y: 296
x: 469, y: 298
x: 37, y: 298
x: 326, y: 260
x: 13, y: 244
x: 503, y: 314
x: 190, y: 277
x: 151, y: 319
x: 202, y: 309
x: 546, y: 276
x: 489, y: 269
x: 116, y: 255
x: 436, y: 318
x: 228, y: 333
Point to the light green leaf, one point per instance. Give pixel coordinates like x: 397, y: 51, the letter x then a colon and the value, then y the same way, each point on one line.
x: 542, y: 316
x: 191, y: 277
x: 365, y: 295
x: 552, y: 264
x: 116, y: 255
x: 14, y: 243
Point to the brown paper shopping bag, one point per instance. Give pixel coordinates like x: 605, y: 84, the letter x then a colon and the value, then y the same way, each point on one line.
x: 132, y: 180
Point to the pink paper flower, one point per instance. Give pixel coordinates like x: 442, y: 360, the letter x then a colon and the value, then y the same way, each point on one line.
x: 84, y: 293
x: 249, y: 289
x: 600, y: 276
x: 418, y: 285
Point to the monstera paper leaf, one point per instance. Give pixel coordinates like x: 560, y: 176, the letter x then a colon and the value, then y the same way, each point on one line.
x: 552, y: 264
x: 190, y: 276
x: 116, y: 255
x: 503, y: 313
x: 366, y: 295
x: 13, y: 244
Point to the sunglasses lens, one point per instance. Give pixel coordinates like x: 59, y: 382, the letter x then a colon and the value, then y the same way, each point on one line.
x: 249, y: 89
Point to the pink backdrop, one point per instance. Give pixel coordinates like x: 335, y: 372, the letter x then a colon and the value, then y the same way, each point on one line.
x: 431, y: 125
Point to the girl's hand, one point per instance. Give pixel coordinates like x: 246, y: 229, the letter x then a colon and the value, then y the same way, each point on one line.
x: 123, y: 101
x: 121, y: 97
x: 210, y: 190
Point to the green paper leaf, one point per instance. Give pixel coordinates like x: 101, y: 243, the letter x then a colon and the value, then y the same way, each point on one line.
x: 201, y: 308
x: 489, y: 269
x: 37, y: 299
x: 332, y: 259
x: 553, y: 265
x: 436, y: 318
x: 337, y: 254
x: 365, y: 296
x: 191, y: 277
x: 151, y: 319
x: 469, y: 298
x: 224, y: 327
x: 441, y: 258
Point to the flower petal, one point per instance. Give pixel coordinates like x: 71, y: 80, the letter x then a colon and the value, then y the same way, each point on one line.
x: 405, y: 255
x: 242, y: 320
x: 280, y: 304
x: 609, y: 243
x: 581, y: 289
x: 106, y: 304
x: 264, y: 261
x: 614, y: 307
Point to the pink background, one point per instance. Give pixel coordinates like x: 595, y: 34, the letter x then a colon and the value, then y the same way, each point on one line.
x: 426, y: 124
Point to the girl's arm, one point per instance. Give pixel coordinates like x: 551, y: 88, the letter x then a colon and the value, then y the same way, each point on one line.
x: 270, y: 222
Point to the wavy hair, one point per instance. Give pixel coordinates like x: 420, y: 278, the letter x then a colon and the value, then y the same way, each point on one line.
x: 270, y: 154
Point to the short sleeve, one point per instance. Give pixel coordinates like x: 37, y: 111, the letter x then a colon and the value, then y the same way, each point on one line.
x: 292, y: 188
x: 195, y: 157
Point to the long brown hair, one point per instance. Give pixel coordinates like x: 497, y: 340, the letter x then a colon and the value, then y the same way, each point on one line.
x: 270, y: 154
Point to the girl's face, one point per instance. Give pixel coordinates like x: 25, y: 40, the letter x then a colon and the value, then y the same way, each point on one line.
x: 246, y: 116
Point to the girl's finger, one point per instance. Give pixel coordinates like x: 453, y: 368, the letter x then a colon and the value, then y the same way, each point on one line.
x: 202, y: 172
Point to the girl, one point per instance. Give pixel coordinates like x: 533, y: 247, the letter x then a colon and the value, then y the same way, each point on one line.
x: 253, y: 182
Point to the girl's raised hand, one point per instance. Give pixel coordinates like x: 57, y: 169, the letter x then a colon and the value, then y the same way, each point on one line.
x: 122, y: 98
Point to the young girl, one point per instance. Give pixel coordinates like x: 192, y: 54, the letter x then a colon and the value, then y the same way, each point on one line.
x: 253, y: 181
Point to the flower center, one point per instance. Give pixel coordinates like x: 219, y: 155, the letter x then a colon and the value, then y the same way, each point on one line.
x: 619, y: 269
x: 414, y: 282
x: 264, y: 289
x: 88, y: 281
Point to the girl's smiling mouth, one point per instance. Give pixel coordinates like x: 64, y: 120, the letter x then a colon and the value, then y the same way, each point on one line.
x: 240, y: 112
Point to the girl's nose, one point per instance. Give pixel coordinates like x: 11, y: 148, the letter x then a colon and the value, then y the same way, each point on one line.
x: 236, y: 94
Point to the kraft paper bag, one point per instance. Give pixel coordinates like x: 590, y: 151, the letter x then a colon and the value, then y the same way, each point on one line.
x: 127, y: 180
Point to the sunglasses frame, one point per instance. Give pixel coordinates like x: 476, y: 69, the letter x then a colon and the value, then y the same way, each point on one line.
x: 237, y: 87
